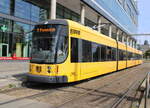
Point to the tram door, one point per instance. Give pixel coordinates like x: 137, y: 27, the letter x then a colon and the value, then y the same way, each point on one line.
x: 3, y: 50
x: 76, y: 58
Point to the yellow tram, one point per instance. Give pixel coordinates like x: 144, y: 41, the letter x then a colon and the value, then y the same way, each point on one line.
x: 65, y: 51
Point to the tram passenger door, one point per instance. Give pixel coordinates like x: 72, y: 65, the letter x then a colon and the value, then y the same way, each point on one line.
x: 76, y: 58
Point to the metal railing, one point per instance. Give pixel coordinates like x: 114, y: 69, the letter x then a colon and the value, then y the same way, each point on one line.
x: 147, y: 90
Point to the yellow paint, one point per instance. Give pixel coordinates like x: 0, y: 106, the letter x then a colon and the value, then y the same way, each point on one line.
x: 122, y: 65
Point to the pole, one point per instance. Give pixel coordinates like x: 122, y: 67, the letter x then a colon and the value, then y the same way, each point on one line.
x: 53, y: 9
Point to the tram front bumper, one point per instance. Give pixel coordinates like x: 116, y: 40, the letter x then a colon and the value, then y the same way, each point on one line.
x: 47, y: 79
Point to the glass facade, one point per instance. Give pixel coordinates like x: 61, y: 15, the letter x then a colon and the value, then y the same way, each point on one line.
x: 13, y: 40
x: 65, y: 13
x: 5, y: 6
x: 29, y: 11
x: 121, y: 12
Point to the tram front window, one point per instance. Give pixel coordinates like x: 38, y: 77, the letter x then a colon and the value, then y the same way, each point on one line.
x: 49, y: 44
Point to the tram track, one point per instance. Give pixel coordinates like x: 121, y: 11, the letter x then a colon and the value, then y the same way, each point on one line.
x: 93, y: 90
x: 24, y: 82
x: 40, y: 93
x: 47, y: 92
x: 118, y: 101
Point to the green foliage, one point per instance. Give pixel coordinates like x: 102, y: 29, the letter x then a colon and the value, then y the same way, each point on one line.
x: 147, y: 54
x: 11, y: 86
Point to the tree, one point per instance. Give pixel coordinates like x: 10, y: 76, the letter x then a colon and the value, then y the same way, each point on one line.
x: 146, y: 42
x: 147, y: 54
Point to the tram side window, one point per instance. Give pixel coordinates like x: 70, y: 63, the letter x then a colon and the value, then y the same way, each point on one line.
x: 87, y: 51
x: 74, y: 50
x: 134, y: 56
x: 129, y: 56
x: 103, y: 53
x: 109, y: 53
x: 96, y: 52
x: 114, y: 54
x: 124, y: 55
x: 120, y: 54
x: 137, y: 57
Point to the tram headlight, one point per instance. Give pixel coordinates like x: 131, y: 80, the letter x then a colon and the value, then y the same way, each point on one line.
x: 49, y: 69
x: 30, y: 68
x: 38, y: 69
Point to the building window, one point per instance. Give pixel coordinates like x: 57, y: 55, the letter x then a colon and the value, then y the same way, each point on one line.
x: 65, y: 13
x: 7, y: 23
x: 89, y: 23
x: 22, y: 9
x: 30, y: 12
x: 21, y: 27
x: 38, y: 14
x: 121, y: 2
x: 5, y: 6
x: 105, y: 31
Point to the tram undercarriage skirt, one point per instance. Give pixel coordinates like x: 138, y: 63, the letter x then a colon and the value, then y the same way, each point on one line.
x: 47, y: 79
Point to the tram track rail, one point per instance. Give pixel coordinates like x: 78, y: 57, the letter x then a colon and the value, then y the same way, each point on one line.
x: 22, y: 86
x: 70, y: 100
x: 118, y: 101
x: 93, y: 90
x: 27, y: 97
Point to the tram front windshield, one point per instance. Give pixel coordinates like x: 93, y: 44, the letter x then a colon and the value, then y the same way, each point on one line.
x: 49, y: 44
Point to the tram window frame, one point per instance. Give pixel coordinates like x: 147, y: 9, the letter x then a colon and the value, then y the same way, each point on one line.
x: 114, y: 54
x: 124, y: 55
x: 87, y: 51
x: 109, y: 53
x: 63, y: 45
x: 103, y: 53
x: 74, y: 50
x: 121, y: 55
x: 128, y: 55
x: 119, y: 51
x: 96, y: 50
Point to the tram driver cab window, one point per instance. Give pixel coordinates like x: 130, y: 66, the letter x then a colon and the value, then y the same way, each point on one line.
x: 62, y: 49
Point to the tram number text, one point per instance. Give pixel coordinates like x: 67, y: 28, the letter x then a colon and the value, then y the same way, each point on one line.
x: 73, y: 31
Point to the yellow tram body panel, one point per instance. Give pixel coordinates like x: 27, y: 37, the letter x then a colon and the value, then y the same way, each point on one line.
x: 91, y: 35
x: 95, y: 69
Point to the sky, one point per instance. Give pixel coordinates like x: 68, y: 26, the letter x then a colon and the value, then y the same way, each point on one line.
x: 144, y: 20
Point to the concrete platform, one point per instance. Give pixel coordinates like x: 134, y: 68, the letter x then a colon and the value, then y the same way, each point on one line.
x: 12, y: 73
x: 25, y: 103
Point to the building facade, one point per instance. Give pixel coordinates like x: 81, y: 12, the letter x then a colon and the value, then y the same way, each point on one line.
x: 115, y: 18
